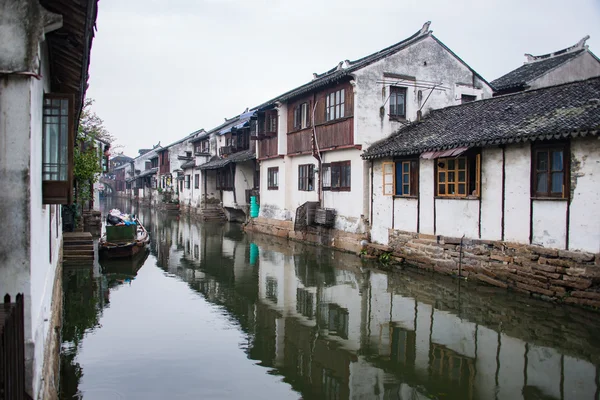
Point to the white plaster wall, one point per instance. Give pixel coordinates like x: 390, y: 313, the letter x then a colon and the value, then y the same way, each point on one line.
x: 244, y: 179
x: 454, y: 217
x: 584, y: 220
x: 405, y: 214
x: 442, y: 68
x: 272, y: 202
x: 517, y: 193
x: 491, y: 194
x: 227, y: 198
x: 511, y: 361
x: 579, y: 379
x: 282, y: 129
x: 382, y: 207
x: 550, y: 223
x: 584, y: 66
x: 293, y: 196
x: 426, y: 197
x: 544, y: 370
x: 348, y: 205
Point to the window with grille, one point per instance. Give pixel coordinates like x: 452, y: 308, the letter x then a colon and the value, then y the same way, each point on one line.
x: 305, y: 177
x: 458, y: 177
x: 334, y: 105
x: 337, y: 176
x: 397, y: 102
x: 549, y: 177
x: 273, y: 178
x: 301, y: 116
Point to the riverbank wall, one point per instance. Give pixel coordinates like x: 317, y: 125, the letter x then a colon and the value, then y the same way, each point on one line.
x: 569, y: 277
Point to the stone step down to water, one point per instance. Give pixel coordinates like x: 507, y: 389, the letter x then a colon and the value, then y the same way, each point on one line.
x: 78, y: 247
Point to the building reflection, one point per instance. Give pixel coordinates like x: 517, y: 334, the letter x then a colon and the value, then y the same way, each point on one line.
x: 335, y: 329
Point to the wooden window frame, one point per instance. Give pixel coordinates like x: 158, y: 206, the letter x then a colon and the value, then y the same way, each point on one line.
x: 395, y: 174
x: 471, y: 167
x: 306, y: 177
x: 301, y: 116
x: 549, y: 148
x: 335, y: 105
x: 225, y: 179
x: 59, y: 191
x: 273, y: 178
x: 196, y: 181
x: 395, y: 93
x: 341, y: 176
x: 271, y: 122
x: 326, y: 176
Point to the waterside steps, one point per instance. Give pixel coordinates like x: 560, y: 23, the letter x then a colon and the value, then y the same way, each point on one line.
x: 213, y: 212
x: 78, y: 247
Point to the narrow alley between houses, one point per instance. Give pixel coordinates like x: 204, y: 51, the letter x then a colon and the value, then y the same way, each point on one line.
x: 212, y: 312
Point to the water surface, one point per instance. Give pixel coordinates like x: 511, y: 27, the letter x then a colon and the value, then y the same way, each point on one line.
x: 214, y: 313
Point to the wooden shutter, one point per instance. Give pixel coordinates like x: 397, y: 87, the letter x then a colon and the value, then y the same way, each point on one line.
x: 389, y: 183
x: 348, y: 101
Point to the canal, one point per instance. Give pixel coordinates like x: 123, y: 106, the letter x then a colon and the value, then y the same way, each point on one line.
x: 213, y: 313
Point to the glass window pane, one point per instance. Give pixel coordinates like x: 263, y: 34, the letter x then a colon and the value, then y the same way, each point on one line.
x: 406, y: 167
x: 461, y: 163
x: 557, y: 161
x: 542, y: 182
x: 343, y: 96
x: 451, y: 164
x: 406, y: 189
x: 557, y: 182
x: 462, y: 176
x: 451, y: 177
x: 451, y: 188
x: 441, y: 189
x: 442, y: 177
x: 342, y: 110
x: 542, y: 161
x: 405, y: 178
x: 462, y: 188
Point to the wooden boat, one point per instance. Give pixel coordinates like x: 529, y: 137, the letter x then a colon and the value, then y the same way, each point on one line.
x: 121, y: 241
x: 123, y: 269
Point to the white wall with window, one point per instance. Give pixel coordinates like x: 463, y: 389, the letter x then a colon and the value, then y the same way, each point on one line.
x: 272, y: 200
x: 541, y: 193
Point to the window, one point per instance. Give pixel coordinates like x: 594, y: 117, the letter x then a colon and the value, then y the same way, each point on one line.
x: 197, y: 181
x: 334, y: 105
x: 467, y: 98
x: 57, y: 149
x: 188, y: 154
x: 549, y: 178
x: 326, y: 176
x: 154, y: 162
x: 397, y: 102
x: 305, y: 177
x: 224, y: 179
x: 401, y: 178
x: 273, y: 178
x: 272, y: 122
x: 336, y: 176
x: 301, y: 116
x: 271, y: 289
x: 458, y: 177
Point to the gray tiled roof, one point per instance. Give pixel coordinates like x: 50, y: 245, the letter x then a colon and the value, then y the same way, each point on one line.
x: 188, y: 164
x: 345, y: 69
x: 242, y: 156
x: 519, y: 77
x: 567, y: 110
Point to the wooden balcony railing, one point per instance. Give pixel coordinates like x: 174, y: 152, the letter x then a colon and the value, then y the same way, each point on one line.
x: 12, y: 349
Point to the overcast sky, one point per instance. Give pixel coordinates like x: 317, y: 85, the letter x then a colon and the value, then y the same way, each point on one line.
x: 161, y: 69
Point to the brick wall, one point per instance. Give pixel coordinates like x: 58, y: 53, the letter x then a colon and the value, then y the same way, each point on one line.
x: 551, y: 274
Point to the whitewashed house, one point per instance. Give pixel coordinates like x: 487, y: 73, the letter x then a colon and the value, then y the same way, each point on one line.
x: 502, y: 173
x: 43, y: 84
x: 145, y: 169
x: 310, y: 139
x: 230, y: 178
x: 567, y: 65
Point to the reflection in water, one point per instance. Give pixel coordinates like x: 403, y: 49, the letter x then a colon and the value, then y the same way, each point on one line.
x: 320, y: 322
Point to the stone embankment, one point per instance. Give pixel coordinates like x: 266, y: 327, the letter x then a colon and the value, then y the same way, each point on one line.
x: 556, y: 275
